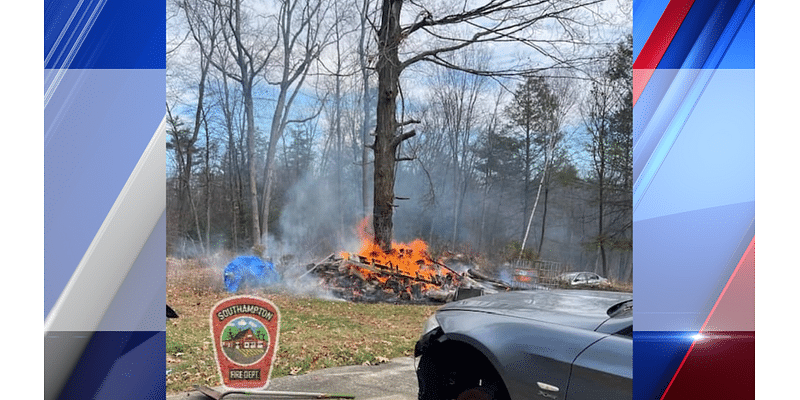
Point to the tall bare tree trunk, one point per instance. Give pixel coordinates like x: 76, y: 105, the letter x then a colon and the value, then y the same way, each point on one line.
x: 234, y: 173
x: 293, y: 75
x: 530, y: 220
x: 276, y: 131
x: 234, y: 191
x: 528, y: 162
x: 386, y: 142
x: 603, y: 134
x: 208, y: 185
x: 249, y: 68
x: 457, y: 199
x: 483, y: 217
x: 196, y: 222
x: 338, y: 130
x: 362, y: 60
x: 601, y: 210
x: 251, y: 162
x: 504, y: 19
x: 544, y: 215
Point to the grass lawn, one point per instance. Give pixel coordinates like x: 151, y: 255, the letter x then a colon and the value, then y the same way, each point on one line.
x: 314, y: 333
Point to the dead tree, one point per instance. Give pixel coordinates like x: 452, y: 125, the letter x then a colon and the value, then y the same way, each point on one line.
x: 300, y: 41
x: 250, y: 55
x: 204, y: 27
x: 491, y: 21
x: 363, y: 63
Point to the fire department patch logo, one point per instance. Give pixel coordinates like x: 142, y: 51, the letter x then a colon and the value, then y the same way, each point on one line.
x: 244, y: 341
x: 245, y: 333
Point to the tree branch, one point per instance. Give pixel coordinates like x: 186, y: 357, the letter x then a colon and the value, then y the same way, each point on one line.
x: 402, y: 137
x: 510, y: 19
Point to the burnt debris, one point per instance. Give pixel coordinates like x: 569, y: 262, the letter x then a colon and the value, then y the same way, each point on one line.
x: 359, y: 278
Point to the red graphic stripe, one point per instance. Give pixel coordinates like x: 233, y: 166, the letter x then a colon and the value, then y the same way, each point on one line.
x: 750, y: 249
x: 640, y: 79
x: 721, y: 366
x: 748, y: 254
x: 658, y: 42
x: 677, y: 371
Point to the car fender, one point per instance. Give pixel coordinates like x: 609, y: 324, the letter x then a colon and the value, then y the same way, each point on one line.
x: 604, y: 370
x: 524, y: 352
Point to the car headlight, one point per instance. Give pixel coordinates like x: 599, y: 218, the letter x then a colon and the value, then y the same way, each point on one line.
x: 430, y: 325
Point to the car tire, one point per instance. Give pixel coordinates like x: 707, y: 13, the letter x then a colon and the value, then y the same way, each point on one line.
x: 477, y: 393
x: 491, y: 387
x: 430, y: 377
x: 460, y: 373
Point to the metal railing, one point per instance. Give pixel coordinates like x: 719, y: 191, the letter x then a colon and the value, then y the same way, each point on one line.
x: 539, y: 274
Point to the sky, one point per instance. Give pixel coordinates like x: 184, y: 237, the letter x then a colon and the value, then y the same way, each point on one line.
x: 246, y: 323
x: 612, y: 21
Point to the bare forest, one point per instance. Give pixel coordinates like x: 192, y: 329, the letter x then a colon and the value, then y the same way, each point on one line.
x: 500, y: 130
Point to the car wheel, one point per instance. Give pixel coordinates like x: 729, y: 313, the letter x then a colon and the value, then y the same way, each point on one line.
x: 474, y: 394
x: 477, y: 393
x: 489, y: 386
x: 458, y: 372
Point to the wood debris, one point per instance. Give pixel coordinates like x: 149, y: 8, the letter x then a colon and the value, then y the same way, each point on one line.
x: 358, y: 278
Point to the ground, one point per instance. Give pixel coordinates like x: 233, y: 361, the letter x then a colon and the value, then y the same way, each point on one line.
x: 315, y: 333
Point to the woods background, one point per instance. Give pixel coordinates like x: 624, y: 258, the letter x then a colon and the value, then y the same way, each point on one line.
x: 513, y: 125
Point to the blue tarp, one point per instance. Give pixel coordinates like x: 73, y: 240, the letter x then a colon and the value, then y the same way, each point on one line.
x: 249, y: 271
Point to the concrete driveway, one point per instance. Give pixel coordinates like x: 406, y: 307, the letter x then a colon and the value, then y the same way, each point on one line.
x: 395, y: 380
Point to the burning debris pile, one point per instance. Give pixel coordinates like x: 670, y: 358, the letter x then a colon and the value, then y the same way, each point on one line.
x: 408, y: 274
x: 360, y: 278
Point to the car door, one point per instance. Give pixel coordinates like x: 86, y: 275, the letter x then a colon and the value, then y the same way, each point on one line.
x: 604, y: 371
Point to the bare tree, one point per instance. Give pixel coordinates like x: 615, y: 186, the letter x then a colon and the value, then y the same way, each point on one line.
x: 252, y: 74
x: 250, y: 54
x: 487, y: 161
x: 178, y: 138
x: 204, y: 28
x: 337, y: 119
x: 455, y: 106
x: 490, y: 21
x: 608, y: 102
x: 340, y: 72
x: 301, y: 39
x: 556, y: 156
x: 530, y: 106
x: 229, y: 103
x: 363, y: 63
x: 182, y: 143
x: 230, y: 37
x: 539, y: 109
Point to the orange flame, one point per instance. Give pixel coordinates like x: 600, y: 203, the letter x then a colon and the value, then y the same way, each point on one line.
x: 410, y: 260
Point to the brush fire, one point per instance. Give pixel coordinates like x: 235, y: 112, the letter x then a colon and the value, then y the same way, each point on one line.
x: 408, y: 273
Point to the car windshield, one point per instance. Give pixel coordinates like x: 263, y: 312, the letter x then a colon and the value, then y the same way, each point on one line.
x: 620, y: 308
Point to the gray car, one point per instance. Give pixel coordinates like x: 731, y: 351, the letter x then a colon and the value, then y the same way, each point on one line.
x: 583, y: 279
x: 553, y: 344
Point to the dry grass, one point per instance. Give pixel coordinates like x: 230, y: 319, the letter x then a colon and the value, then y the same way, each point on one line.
x: 314, y: 333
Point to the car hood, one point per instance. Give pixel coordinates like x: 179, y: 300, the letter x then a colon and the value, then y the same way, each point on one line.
x: 585, y: 309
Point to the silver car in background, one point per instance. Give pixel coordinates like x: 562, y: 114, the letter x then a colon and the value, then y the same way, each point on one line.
x: 548, y: 344
x: 583, y: 279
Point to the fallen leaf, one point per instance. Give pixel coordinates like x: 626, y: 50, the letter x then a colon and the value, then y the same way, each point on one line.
x: 172, y: 360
